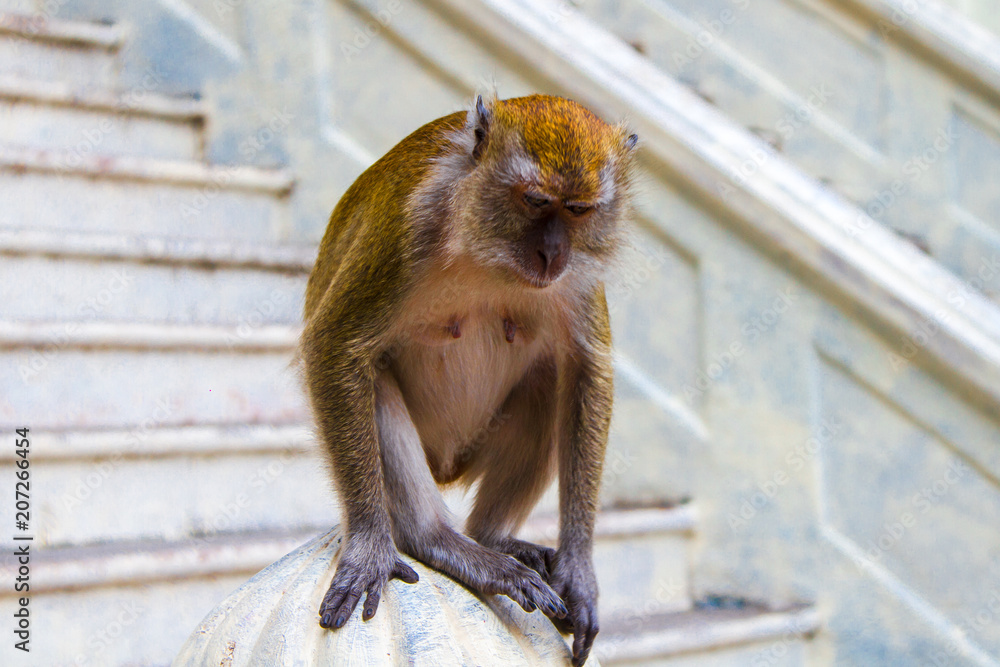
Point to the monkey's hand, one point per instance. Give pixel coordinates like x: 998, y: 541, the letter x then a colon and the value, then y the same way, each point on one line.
x: 573, y: 579
x: 364, y: 567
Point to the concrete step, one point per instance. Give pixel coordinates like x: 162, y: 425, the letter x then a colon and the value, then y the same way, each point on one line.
x: 943, y: 29
x: 18, y: 6
x: 254, y: 478
x: 708, y: 637
x: 158, y: 250
x: 56, y: 115
x: 52, y: 276
x: 71, y: 374
x: 142, y: 196
x: 136, y: 604
x: 38, y: 47
x: 134, y: 584
x: 641, y: 557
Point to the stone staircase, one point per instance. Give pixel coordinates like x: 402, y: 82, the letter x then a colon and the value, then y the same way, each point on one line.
x: 41, y: 49
x: 150, y: 309
x: 149, y: 312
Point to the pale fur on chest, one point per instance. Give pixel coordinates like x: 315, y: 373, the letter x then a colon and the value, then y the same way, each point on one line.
x: 463, y: 344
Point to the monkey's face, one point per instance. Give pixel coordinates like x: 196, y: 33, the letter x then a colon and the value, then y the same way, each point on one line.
x: 546, y: 191
x: 537, y: 227
x: 548, y: 225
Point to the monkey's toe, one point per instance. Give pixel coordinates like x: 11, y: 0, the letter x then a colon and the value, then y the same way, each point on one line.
x: 405, y: 573
x: 354, y: 579
x: 338, y: 604
x: 584, y: 632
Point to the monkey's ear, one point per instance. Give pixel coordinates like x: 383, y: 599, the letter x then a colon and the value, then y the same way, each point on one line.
x: 480, y: 128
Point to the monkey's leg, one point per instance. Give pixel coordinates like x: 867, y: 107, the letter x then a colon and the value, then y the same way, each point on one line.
x: 517, y: 465
x: 421, y: 524
x: 343, y: 396
x: 585, y: 414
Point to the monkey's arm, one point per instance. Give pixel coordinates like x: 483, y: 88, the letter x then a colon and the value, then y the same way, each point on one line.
x: 339, y: 346
x: 585, y: 416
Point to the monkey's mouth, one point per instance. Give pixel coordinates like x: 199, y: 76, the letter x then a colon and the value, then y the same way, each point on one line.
x: 537, y: 280
x: 519, y: 270
x: 537, y: 283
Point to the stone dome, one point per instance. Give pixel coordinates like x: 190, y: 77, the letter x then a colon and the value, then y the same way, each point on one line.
x: 272, y: 620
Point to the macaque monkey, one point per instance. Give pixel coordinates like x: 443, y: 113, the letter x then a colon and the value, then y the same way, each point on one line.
x: 460, y: 285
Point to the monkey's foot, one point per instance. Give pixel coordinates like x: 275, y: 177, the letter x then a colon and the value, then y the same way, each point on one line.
x: 490, y: 572
x: 535, y: 556
x: 364, y: 568
x: 523, y: 585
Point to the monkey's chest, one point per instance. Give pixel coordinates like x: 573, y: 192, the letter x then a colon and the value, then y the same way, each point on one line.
x: 456, y: 370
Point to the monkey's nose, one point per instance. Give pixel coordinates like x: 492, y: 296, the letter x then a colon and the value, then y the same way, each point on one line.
x: 550, y: 254
x: 545, y: 261
x: 552, y: 249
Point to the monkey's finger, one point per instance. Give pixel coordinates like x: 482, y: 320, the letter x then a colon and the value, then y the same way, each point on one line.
x: 371, y: 601
x: 591, y: 636
x: 548, y: 606
x: 405, y: 573
x: 517, y: 595
x: 347, y: 607
x: 555, y: 609
x: 331, y: 602
x: 583, y: 636
x: 549, y: 601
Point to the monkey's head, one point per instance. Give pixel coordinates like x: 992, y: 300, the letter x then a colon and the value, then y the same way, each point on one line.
x: 547, y: 188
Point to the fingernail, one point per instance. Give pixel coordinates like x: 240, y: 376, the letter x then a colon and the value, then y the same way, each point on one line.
x: 339, y: 623
x: 326, y: 619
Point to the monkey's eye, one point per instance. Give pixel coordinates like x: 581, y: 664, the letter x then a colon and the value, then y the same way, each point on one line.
x: 535, y: 201
x: 578, y: 209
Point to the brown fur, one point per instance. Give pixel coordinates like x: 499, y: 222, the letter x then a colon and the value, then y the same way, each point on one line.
x: 456, y: 330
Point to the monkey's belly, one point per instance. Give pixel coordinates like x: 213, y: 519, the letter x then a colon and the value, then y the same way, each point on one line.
x: 454, y: 387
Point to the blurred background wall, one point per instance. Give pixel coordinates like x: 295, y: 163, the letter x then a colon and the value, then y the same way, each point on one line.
x: 805, y: 460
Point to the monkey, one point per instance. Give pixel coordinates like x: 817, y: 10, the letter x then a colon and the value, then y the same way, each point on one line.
x: 457, y: 332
